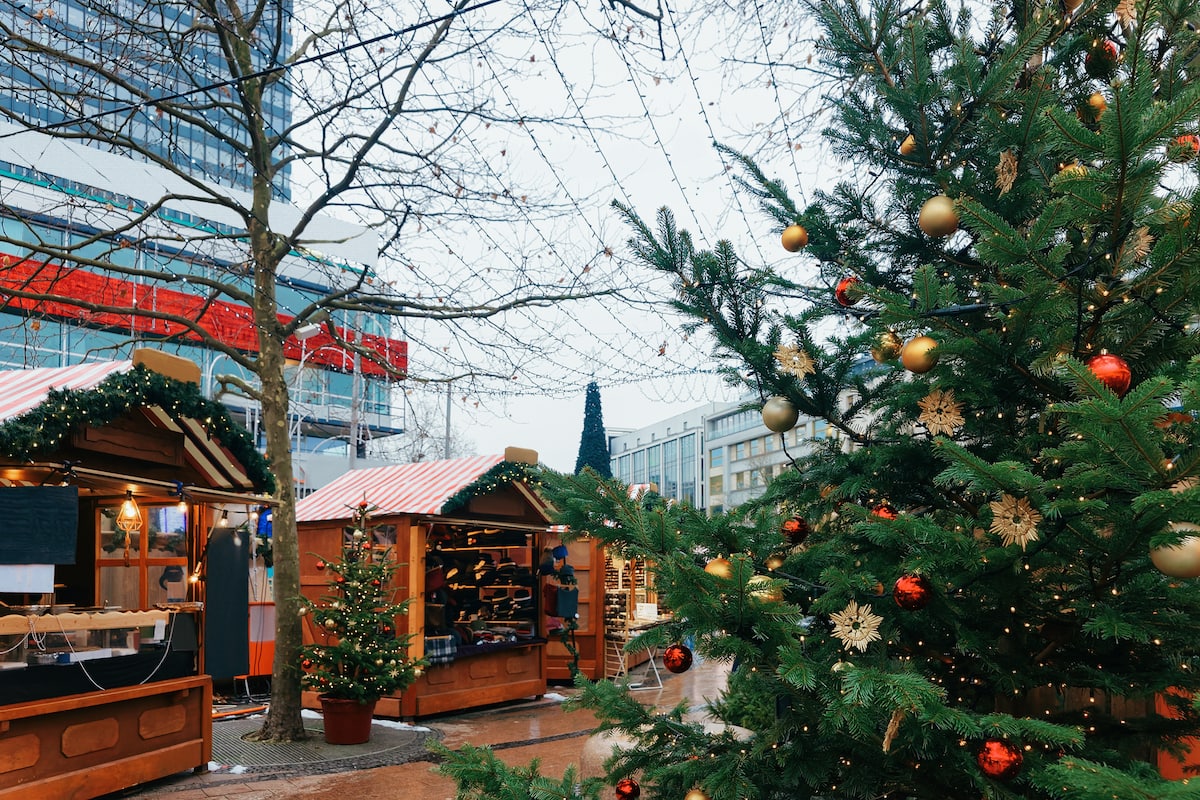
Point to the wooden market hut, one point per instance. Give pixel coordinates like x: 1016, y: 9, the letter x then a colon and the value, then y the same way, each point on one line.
x: 115, y: 479
x: 469, y: 536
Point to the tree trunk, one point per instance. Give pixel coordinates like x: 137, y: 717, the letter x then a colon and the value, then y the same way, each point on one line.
x: 283, y: 722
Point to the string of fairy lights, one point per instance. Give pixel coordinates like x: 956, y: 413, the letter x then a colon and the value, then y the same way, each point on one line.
x: 582, y: 364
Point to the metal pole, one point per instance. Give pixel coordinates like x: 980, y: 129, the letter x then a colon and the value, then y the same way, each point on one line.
x: 446, y: 448
x: 355, y: 391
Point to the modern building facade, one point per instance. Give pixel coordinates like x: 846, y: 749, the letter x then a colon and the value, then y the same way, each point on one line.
x: 63, y: 194
x: 134, y: 34
x: 715, y: 457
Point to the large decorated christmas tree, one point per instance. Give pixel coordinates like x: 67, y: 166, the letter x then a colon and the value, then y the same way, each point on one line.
x: 988, y: 583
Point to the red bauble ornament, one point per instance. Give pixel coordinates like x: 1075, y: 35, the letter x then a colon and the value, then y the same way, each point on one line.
x: 998, y: 759
x: 1183, y: 148
x: 387, y: 628
x: 677, y: 658
x: 376, y: 582
x: 912, y: 592
x: 306, y: 663
x: 1112, y: 371
x: 1101, y: 59
x: 628, y: 789
x: 320, y: 566
x: 847, y: 291
x: 340, y: 579
x: 796, y: 530
x: 885, y: 511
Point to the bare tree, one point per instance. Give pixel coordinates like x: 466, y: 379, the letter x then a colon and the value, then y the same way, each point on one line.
x: 392, y: 127
x: 429, y: 431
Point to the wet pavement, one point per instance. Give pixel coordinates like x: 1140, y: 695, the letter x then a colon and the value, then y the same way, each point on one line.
x: 396, y: 761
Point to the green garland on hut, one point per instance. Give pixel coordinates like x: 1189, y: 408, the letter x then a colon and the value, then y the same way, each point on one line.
x: 494, y: 479
x: 44, y: 428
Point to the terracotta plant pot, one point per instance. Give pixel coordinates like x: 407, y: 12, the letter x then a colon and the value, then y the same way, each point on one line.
x: 347, y: 721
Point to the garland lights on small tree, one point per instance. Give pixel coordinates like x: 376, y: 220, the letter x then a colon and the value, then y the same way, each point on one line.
x: 364, y: 657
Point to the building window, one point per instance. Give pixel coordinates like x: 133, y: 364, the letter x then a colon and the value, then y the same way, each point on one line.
x: 670, y: 455
x: 687, y: 468
x: 716, y: 485
x: 654, y: 466
x: 739, y: 451
x: 754, y: 445
x: 639, y: 466
x: 716, y: 457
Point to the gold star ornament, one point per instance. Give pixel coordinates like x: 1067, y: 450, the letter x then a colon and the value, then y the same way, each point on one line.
x: 1014, y: 520
x: 794, y: 361
x: 940, y: 412
x: 856, y: 626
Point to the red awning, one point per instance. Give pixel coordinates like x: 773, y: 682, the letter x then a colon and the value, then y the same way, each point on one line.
x: 420, y: 488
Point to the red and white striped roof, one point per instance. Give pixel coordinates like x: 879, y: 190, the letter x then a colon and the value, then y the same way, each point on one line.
x: 23, y: 390
x: 420, y: 488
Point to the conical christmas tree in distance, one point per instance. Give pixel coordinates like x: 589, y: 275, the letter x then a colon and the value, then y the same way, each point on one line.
x: 998, y: 575
x: 593, y: 443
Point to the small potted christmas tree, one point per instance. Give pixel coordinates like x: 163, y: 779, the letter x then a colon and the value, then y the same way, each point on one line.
x: 361, y: 657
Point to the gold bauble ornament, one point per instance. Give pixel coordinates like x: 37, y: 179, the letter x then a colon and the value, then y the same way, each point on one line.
x: 697, y: 794
x: 938, y: 217
x: 779, y: 414
x: 760, y: 586
x: 1090, y: 110
x: 774, y: 562
x: 908, y: 146
x: 887, y: 347
x: 794, y: 238
x: 330, y: 624
x: 920, y: 354
x: 1182, y: 561
x: 1073, y: 170
x: 720, y: 567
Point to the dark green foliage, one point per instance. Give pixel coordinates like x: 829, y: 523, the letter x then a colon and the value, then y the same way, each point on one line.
x: 1033, y: 516
x: 593, y: 443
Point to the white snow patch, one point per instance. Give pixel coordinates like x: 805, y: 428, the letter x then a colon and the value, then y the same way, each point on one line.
x: 404, y: 726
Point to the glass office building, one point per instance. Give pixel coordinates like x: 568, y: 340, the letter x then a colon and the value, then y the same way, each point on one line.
x: 130, y: 33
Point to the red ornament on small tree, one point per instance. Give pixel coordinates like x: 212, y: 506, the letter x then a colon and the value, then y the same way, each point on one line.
x: 1101, y: 59
x: 848, y: 291
x: 999, y: 759
x: 885, y: 511
x: 628, y: 789
x: 796, y: 530
x: 1112, y: 371
x: 677, y: 658
x: 912, y: 592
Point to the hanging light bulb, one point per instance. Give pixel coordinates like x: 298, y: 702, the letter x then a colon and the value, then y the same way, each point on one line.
x: 129, y: 518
